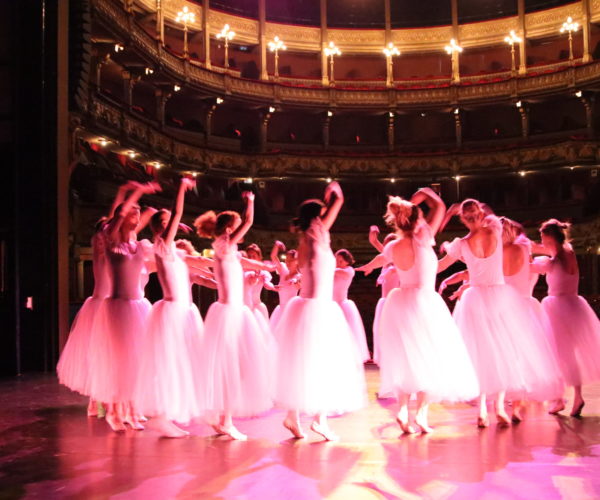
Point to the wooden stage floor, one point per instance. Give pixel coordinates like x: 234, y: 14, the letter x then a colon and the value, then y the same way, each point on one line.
x: 50, y: 449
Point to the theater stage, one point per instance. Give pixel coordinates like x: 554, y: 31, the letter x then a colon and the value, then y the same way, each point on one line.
x: 50, y: 449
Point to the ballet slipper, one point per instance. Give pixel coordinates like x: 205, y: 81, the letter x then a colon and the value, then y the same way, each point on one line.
x: 233, y: 433
x: 101, y: 410
x: 483, y: 421
x: 294, y: 428
x: 422, y: 423
x: 143, y: 419
x: 115, y: 423
x: 324, y: 431
x: 559, y: 405
x: 219, y: 429
x: 517, y: 416
x: 405, y: 426
x: 576, y: 411
x: 168, y: 429
x: 92, y: 409
x: 502, y: 419
x: 133, y: 423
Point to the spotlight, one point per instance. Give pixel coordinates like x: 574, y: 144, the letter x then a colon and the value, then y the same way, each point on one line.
x: 391, y: 114
x: 248, y: 180
x: 328, y: 180
x: 102, y: 141
x: 176, y: 88
x: 457, y: 178
x: 456, y: 111
x: 393, y: 180
x: 119, y: 47
x: 157, y: 165
x: 579, y: 93
x: 522, y: 173
x: 194, y: 174
x: 132, y: 154
x: 271, y: 109
x: 330, y: 113
x: 148, y: 71
x: 219, y: 100
x: 518, y: 104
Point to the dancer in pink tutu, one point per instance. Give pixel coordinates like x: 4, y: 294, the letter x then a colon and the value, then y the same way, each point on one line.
x: 388, y: 280
x: 422, y: 351
x: 317, y: 368
x: 496, y: 324
x: 289, y: 279
x: 237, y: 380
x: 171, y: 347
x: 344, y: 274
x: 574, y: 324
x: 115, y: 342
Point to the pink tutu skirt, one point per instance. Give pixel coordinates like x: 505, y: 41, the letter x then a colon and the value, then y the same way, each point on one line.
x: 421, y: 348
x: 275, y: 317
x: 576, y: 332
x: 115, y: 349
x: 236, y: 362
x: 503, y: 341
x: 356, y: 328
x: 376, y: 335
x: 73, y: 365
x: 170, y: 362
x: 318, y: 367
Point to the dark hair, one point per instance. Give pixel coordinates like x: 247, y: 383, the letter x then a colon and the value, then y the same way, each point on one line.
x: 155, y: 219
x: 101, y: 224
x: 346, y: 255
x: 211, y: 225
x: 119, y: 208
x: 307, y: 212
x: 293, y: 253
x: 253, y: 247
x: 556, y: 229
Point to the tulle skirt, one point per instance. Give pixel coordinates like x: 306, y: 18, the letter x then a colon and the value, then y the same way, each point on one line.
x: 73, y: 365
x: 276, y: 316
x: 115, y: 349
x: 376, y: 335
x: 236, y: 362
x: 576, y: 332
x: 421, y: 348
x: 318, y: 367
x: 170, y: 362
x: 500, y: 335
x: 357, y: 328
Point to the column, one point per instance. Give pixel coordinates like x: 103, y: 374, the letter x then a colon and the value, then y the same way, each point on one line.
x: 98, y: 63
x: 62, y: 173
x: 325, y: 131
x: 458, y: 129
x: 389, y: 67
x: 206, y: 33
x: 455, y: 61
x: 262, y: 39
x: 585, y: 7
x: 160, y: 22
x: 391, y: 129
x: 588, y: 103
x: 524, y: 112
x: 264, y: 131
x: 208, y: 123
x: 324, y: 65
x: 127, y: 88
x: 523, y: 35
x: 161, y: 102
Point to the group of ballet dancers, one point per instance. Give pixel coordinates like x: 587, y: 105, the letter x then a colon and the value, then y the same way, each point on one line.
x: 163, y: 361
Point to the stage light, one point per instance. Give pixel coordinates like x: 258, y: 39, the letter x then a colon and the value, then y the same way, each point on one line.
x: 119, y: 47
x: 103, y: 142
x: 157, y: 165
x: 271, y: 109
x: 518, y: 104
x: 393, y: 180
x: 248, y: 180
x: 149, y: 71
x: 579, y: 93
x: 219, y: 100
x: 132, y: 154
x: 457, y: 178
x: 391, y: 114
x: 176, y: 88
x: 329, y: 114
x: 522, y: 173
x: 328, y: 180
x: 456, y: 111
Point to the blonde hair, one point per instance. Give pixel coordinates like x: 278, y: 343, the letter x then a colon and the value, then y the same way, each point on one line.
x: 211, y: 225
x: 511, y: 230
x: 401, y: 214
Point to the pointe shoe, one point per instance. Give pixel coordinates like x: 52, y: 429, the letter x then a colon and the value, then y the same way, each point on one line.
x: 324, y: 431
x: 133, y: 423
x: 142, y: 419
x: 233, y: 433
x: 502, y: 420
x: 559, y: 406
x: 170, y: 430
x: 405, y: 426
x: 576, y: 411
x: 425, y: 429
x: 294, y: 428
x: 483, y: 422
x: 115, y: 423
x: 219, y: 429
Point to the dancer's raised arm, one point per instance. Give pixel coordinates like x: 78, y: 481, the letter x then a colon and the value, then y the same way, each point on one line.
x: 247, y: 219
x: 437, y: 208
x: 173, y: 225
x: 334, y: 199
x: 374, y: 238
x: 280, y: 267
x: 114, y: 226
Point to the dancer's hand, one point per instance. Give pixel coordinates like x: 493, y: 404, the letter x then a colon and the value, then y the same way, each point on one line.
x: 365, y: 269
x: 150, y: 187
x: 280, y: 245
x: 188, y: 183
x: 248, y: 196
x: 374, y: 231
x: 333, y: 188
x: 442, y: 288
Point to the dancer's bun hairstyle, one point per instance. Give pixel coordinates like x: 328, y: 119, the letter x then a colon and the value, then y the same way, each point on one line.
x: 211, y: 225
x: 401, y: 214
x: 346, y: 255
x: 307, y: 212
x: 556, y: 229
